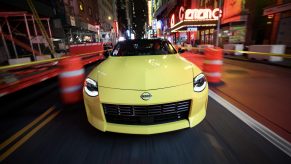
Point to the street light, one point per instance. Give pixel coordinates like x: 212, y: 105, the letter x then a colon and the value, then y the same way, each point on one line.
x: 109, y: 18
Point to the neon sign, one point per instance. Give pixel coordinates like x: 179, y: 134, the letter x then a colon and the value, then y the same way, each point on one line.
x: 197, y: 14
x: 172, y: 20
x: 149, y: 13
x: 202, y: 14
x: 181, y: 13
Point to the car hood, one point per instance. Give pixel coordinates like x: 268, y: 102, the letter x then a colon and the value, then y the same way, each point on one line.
x: 143, y: 72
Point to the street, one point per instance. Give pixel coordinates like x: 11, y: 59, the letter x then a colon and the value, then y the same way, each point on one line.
x: 69, y: 138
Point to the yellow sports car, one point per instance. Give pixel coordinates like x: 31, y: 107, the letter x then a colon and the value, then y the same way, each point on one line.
x: 145, y: 87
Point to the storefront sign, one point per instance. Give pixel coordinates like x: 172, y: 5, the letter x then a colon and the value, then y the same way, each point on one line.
x: 192, y: 29
x: 202, y: 14
x: 197, y: 14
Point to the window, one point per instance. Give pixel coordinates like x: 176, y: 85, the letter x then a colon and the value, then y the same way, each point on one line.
x: 143, y: 47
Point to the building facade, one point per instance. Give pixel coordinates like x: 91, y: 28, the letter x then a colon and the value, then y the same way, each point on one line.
x: 180, y: 22
x: 239, y: 21
x: 81, y: 21
x: 70, y: 22
x: 107, y: 19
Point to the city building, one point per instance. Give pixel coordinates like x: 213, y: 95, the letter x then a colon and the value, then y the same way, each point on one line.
x: 108, y: 19
x: 81, y: 21
x: 66, y: 21
x: 233, y: 21
x: 21, y: 34
x: 278, y: 22
x: 132, y: 18
x: 139, y: 18
x: 187, y: 21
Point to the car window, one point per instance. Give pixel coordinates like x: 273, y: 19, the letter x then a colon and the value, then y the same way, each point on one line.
x: 143, y: 47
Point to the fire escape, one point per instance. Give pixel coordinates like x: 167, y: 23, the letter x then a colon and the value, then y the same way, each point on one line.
x: 25, y: 34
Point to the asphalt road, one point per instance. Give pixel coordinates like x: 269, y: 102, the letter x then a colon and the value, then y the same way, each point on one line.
x: 69, y: 138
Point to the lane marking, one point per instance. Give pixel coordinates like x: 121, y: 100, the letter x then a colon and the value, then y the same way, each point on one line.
x: 27, y: 127
x: 28, y: 136
x: 268, y: 134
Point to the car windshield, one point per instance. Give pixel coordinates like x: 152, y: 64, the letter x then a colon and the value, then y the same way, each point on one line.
x: 143, y: 47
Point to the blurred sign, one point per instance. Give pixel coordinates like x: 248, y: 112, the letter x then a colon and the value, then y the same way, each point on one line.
x: 92, y: 28
x: 237, y: 34
x: 192, y: 29
x: 150, y: 13
x: 232, y: 11
x: 154, y: 24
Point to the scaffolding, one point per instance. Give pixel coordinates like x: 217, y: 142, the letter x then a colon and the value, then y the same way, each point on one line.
x: 15, y: 25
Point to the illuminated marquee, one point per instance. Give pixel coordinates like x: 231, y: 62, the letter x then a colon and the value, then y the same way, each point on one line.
x: 203, y: 14
x: 197, y: 14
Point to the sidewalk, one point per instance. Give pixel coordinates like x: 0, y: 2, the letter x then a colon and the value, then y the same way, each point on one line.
x: 285, y: 63
x: 262, y: 91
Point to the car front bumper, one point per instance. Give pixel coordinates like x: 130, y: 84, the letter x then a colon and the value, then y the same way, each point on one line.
x: 96, y: 116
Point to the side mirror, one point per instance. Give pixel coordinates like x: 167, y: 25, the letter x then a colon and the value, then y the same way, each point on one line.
x: 180, y: 50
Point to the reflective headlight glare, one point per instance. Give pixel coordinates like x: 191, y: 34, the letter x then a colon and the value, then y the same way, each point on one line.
x: 91, y: 87
x: 199, y: 83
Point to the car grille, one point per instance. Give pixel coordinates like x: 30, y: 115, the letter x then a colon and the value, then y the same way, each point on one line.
x: 147, y: 115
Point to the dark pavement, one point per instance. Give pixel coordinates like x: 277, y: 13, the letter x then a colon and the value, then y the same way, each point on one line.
x: 262, y: 91
x: 220, y: 138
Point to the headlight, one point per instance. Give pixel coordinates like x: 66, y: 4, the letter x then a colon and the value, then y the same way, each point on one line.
x: 199, y: 83
x: 91, y: 87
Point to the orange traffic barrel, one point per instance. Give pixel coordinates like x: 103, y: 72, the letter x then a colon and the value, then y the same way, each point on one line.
x: 212, y: 65
x: 71, y: 79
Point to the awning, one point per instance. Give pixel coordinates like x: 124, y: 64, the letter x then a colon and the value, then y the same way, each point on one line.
x: 185, y: 24
x: 277, y: 9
